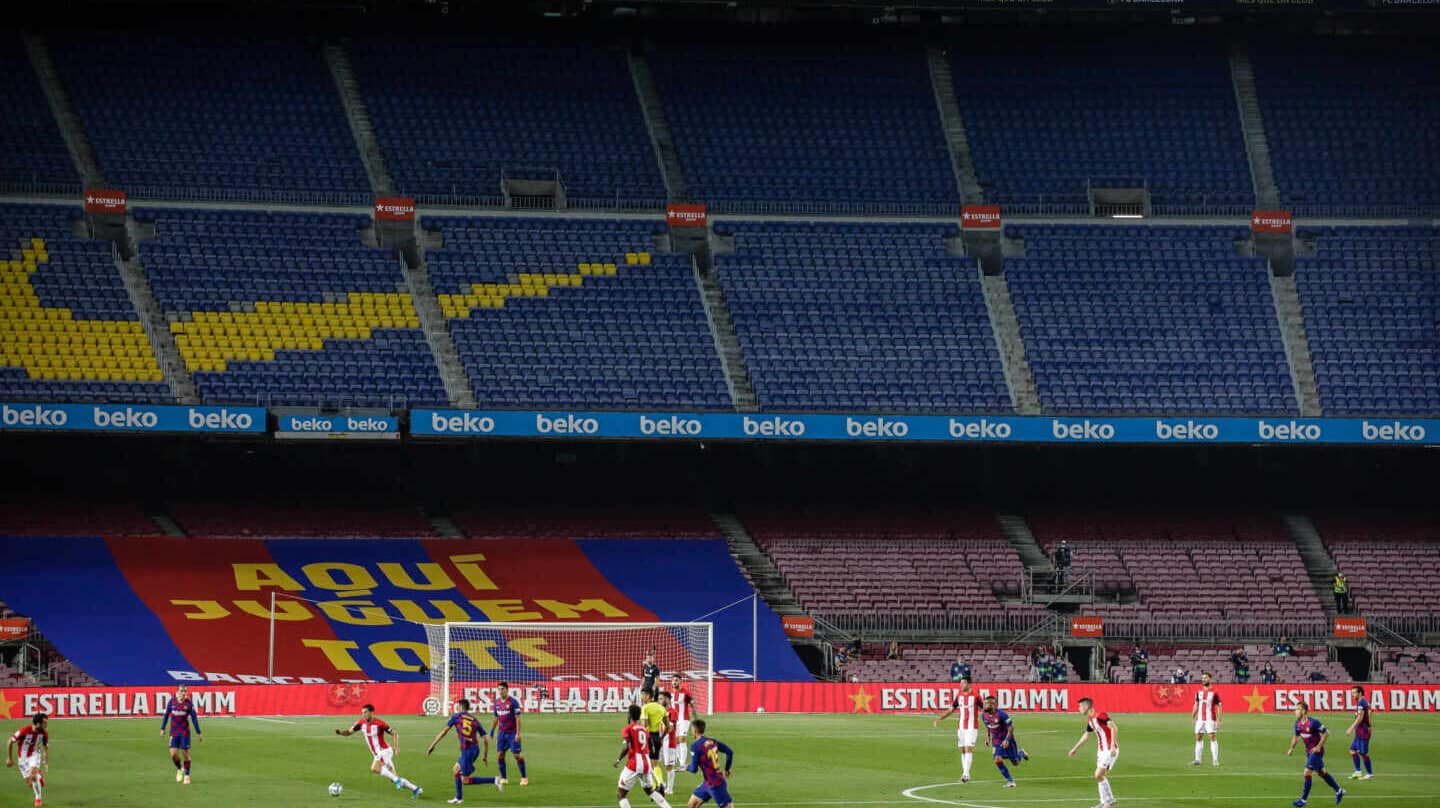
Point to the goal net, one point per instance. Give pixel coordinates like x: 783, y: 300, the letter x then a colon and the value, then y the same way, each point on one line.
x: 566, y: 667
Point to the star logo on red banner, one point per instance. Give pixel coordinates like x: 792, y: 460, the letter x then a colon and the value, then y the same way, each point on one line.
x: 7, y: 707
x: 861, y: 701
x: 1255, y: 702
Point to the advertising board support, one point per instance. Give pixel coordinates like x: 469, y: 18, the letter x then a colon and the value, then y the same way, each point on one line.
x: 980, y: 229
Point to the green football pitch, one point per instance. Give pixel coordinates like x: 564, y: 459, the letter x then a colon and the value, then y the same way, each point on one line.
x: 781, y: 760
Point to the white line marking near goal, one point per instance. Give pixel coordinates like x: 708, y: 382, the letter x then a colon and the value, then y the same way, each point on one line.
x: 271, y: 720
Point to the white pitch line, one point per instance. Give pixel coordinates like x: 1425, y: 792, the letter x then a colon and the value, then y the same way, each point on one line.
x: 1004, y: 803
x: 271, y: 720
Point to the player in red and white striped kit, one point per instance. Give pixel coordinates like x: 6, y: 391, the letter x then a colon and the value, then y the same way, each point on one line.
x: 967, y: 709
x: 382, y: 752
x: 1107, y: 740
x: 34, y: 748
x: 684, y: 705
x: 1207, y: 721
x: 635, y: 754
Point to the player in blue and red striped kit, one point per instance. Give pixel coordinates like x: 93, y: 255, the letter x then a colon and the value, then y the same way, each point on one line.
x: 1002, y: 739
x: 1360, y: 728
x: 705, y: 758
x: 179, y: 716
x: 472, y: 735
x: 506, y: 729
x: 1314, y: 734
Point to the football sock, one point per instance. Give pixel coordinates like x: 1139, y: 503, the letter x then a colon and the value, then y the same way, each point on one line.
x: 1106, y: 795
x: 1330, y: 781
x: 176, y: 761
x: 1199, y: 749
x: 670, y: 782
x: 1004, y: 771
x: 519, y: 761
x: 459, y: 790
x: 1367, y: 764
x: 659, y: 799
x: 1214, y: 751
x: 405, y: 784
x: 625, y: 803
x: 501, y: 764
x: 187, y: 768
x: 1305, y: 793
x: 1355, y: 759
x: 35, y: 787
x: 966, y: 760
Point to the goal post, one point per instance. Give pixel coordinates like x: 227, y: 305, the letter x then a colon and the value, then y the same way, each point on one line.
x: 567, y: 667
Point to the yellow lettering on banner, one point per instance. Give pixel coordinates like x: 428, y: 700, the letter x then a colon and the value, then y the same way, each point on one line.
x: 337, y: 652
x: 388, y: 654
x: 285, y: 610
x: 434, y: 574
x: 506, y: 610
x: 365, y: 613
x: 570, y: 611
x: 467, y: 566
x: 323, y: 576
x: 478, y: 652
x: 254, y: 577
x: 535, y: 656
x: 204, y: 609
x: 450, y: 611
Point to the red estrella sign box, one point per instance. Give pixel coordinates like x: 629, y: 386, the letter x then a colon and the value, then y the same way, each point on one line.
x: 408, y: 698
x: 686, y: 215
x: 395, y: 208
x: 1271, y: 221
x: 980, y: 217
x: 104, y: 200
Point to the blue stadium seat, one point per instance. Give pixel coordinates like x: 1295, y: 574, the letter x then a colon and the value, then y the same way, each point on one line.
x: 367, y: 348
x: 1371, y: 300
x: 861, y: 317
x: 33, y: 152
x: 452, y: 116
x: 1148, y: 320
x: 212, y: 118
x: 1045, y: 122
x: 807, y: 127
x: 634, y: 337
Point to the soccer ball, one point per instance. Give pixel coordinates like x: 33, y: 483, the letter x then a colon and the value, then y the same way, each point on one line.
x: 336, y: 789
x: 760, y: 709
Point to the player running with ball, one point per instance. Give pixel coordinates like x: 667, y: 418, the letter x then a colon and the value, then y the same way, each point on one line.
x: 382, y: 751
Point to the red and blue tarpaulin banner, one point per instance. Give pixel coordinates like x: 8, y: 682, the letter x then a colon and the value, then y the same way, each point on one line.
x: 146, y: 611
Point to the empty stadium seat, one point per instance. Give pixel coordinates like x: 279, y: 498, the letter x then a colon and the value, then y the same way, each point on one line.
x: 1148, y: 320
x: 1388, y: 558
x: 548, y: 312
x: 807, y: 127
x: 1371, y: 300
x: 452, y: 117
x: 211, y: 117
x: 860, y: 317
x: 1351, y: 122
x: 289, y: 309
x: 67, y: 329
x: 1048, y: 120
x: 33, y: 154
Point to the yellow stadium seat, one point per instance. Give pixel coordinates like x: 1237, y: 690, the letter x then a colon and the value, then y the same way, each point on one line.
x: 632, y: 258
x: 644, y: 259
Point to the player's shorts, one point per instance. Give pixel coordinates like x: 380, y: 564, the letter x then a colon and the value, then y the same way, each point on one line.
x: 1315, y: 762
x: 1205, y: 727
x: 386, y: 757
x: 1106, y: 760
x: 180, y: 742
x: 669, y: 753
x: 720, y: 794
x: 654, y: 746
x: 29, y: 764
x: 966, y: 737
x: 466, y: 761
x: 1360, y: 746
x: 682, y: 730
x: 628, y: 778
x: 507, y: 742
